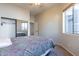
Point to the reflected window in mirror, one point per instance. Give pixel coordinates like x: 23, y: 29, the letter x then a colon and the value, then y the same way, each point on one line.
x: 24, y: 26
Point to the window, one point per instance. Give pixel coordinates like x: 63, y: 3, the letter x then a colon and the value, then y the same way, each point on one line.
x: 71, y: 20
x: 76, y: 18
x: 24, y: 26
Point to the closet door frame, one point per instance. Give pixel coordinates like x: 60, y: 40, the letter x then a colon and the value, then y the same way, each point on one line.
x: 15, y: 23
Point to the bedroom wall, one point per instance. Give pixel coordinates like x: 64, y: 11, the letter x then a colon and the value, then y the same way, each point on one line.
x: 12, y: 11
x: 36, y: 29
x: 32, y: 25
x: 51, y: 25
x: 35, y: 25
x: 70, y: 41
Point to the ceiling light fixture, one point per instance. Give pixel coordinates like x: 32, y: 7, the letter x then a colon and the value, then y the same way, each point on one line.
x: 37, y: 4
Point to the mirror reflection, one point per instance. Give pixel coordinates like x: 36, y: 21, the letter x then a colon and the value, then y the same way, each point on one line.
x: 22, y: 28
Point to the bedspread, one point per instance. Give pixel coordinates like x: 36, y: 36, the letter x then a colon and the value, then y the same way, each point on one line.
x: 27, y: 46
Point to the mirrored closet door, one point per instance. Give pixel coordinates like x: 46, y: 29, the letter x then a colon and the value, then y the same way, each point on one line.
x: 7, y: 28
x: 22, y: 28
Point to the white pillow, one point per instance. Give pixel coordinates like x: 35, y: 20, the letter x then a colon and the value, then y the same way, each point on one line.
x: 4, y: 42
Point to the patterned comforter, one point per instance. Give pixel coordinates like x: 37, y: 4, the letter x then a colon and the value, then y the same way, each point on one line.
x: 27, y: 46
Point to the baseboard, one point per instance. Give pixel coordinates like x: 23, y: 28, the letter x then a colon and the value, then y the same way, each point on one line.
x: 66, y: 49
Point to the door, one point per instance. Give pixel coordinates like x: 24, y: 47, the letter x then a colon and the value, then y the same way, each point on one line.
x: 7, y: 28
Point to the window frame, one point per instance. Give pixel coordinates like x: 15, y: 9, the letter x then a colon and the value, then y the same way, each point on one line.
x: 64, y: 23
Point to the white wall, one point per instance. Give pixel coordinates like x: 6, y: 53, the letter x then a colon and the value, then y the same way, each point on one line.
x: 32, y: 19
x: 13, y: 11
x: 36, y: 32
x: 71, y: 43
x: 49, y: 23
x: 35, y: 23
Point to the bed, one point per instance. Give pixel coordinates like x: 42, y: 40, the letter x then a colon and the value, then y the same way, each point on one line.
x: 29, y: 46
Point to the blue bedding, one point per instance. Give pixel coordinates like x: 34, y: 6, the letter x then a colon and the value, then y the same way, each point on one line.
x: 27, y: 46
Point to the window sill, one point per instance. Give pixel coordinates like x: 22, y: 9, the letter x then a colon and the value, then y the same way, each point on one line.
x: 70, y: 34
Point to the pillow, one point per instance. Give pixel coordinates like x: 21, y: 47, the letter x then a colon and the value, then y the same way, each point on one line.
x: 4, y: 42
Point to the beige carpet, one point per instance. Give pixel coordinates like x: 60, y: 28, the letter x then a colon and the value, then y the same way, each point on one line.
x: 61, y: 51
